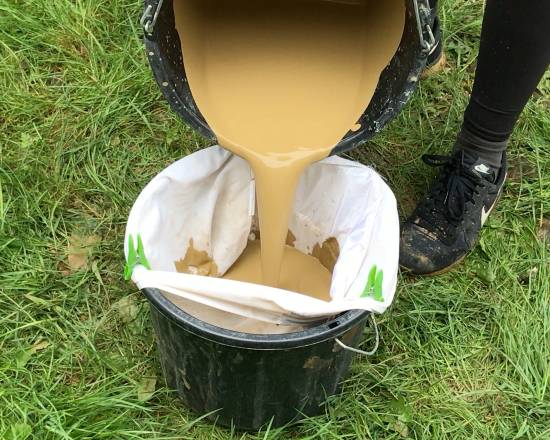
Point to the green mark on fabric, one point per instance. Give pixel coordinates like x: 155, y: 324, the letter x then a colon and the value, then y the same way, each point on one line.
x: 374, y: 284
x: 135, y: 257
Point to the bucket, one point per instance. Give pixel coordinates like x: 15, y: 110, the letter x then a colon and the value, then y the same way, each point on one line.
x: 295, y: 351
x: 395, y: 86
x: 248, y: 380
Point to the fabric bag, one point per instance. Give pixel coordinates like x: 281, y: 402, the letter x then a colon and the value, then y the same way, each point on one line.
x: 207, y: 200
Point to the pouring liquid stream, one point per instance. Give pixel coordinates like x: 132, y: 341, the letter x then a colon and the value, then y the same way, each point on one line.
x: 280, y: 83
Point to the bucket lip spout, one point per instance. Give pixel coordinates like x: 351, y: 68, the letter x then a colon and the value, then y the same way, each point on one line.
x: 326, y: 331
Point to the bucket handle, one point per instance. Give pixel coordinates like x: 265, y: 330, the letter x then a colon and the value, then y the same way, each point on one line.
x: 357, y: 350
x: 427, y: 45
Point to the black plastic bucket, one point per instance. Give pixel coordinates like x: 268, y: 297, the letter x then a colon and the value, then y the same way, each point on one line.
x: 396, y: 85
x: 248, y: 380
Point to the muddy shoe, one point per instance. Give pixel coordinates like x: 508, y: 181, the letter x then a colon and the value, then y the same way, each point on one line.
x: 446, y: 223
x: 436, y: 58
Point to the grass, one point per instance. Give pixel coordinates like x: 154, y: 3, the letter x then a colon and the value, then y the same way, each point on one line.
x: 83, y: 128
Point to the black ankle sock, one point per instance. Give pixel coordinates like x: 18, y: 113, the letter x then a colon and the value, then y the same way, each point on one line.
x: 491, y: 152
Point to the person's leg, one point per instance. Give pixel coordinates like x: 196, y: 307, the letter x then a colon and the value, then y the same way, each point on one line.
x: 514, y: 53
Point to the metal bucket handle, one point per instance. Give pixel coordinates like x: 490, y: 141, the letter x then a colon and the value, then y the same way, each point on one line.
x: 359, y: 351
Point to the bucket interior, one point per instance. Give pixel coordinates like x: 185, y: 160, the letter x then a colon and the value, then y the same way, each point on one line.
x: 394, y: 86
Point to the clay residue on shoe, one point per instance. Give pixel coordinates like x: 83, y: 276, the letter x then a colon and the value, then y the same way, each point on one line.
x: 327, y: 253
x: 197, y: 262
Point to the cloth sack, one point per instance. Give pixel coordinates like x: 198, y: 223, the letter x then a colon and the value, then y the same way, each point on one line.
x: 207, y: 199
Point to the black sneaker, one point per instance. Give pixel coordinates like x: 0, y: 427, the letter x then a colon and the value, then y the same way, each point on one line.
x: 436, y: 58
x: 437, y: 51
x: 446, y: 223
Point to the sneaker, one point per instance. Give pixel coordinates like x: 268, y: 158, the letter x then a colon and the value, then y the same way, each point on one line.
x: 436, y: 58
x: 446, y: 223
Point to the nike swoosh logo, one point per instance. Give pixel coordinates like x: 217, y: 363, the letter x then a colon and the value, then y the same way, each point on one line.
x: 485, y: 215
x: 482, y: 168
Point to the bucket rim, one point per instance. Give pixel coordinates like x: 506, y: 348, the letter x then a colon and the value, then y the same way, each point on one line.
x: 331, y: 329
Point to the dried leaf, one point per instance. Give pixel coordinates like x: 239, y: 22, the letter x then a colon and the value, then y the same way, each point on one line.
x: 80, y: 247
x: 146, y: 388
x: 23, y: 356
x: 41, y: 345
x: 543, y: 233
x: 128, y: 308
x: 63, y: 269
x: 401, y: 428
x: 486, y: 274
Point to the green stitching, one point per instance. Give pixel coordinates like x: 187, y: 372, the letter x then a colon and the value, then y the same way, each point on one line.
x: 135, y: 257
x: 374, y: 284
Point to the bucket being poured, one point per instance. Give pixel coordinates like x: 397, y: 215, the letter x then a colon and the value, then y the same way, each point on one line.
x: 396, y: 84
x: 243, y: 379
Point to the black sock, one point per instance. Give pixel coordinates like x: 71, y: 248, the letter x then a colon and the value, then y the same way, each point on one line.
x: 489, y: 151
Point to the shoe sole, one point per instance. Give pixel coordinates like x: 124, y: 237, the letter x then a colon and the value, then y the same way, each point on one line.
x: 437, y: 272
x: 449, y: 268
x: 436, y: 67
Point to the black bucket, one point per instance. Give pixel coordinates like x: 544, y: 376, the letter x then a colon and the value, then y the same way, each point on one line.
x: 248, y: 380
x: 396, y: 85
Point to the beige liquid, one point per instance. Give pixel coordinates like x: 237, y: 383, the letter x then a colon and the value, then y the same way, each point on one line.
x: 280, y: 82
x: 294, y: 263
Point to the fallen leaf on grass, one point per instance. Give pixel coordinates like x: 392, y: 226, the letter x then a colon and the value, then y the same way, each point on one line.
x: 401, y: 415
x: 80, y: 247
x: 146, y: 388
x: 486, y: 274
x: 128, y: 308
x: 63, y: 269
x: 36, y: 300
x: 526, y: 276
x: 402, y: 409
x: 28, y: 140
x: 543, y: 233
x: 24, y: 356
x: 41, y: 345
x: 401, y: 428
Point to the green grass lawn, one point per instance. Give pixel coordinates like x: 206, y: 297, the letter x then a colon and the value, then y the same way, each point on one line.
x: 83, y: 128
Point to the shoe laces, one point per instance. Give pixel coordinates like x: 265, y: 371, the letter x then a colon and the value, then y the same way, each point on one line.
x: 451, y: 192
